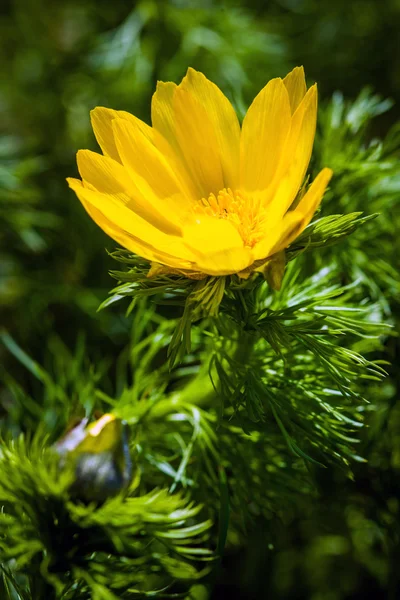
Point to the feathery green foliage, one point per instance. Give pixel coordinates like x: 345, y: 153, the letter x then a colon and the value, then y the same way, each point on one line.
x: 129, y: 545
x: 246, y: 406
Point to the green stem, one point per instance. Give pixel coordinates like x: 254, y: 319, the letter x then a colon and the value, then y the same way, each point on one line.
x: 200, y: 391
x: 39, y: 587
x: 199, y: 591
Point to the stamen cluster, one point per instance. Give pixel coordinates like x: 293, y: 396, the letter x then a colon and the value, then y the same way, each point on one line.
x: 244, y: 212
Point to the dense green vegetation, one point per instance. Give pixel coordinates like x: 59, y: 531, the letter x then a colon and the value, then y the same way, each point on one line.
x: 251, y: 454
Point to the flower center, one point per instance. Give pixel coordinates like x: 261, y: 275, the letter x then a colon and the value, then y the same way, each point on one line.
x: 243, y: 212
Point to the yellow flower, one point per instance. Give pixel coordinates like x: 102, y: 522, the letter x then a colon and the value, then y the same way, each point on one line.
x: 197, y: 193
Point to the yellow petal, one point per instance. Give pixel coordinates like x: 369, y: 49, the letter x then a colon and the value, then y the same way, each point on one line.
x: 101, y: 122
x: 295, y: 83
x: 225, y: 262
x: 304, y: 121
x: 275, y: 237
x: 264, y: 133
x: 197, y: 141
x: 297, y: 153
x: 151, y: 169
x: 162, y: 112
x: 294, y: 222
x: 312, y: 198
x: 102, y: 172
x: 217, y: 245
x: 116, y: 233
x: 130, y: 230
x: 292, y: 226
x: 102, y: 118
x: 107, y: 176
x: 224, y: 122
x: 184, y: 123
x: 163, y: 121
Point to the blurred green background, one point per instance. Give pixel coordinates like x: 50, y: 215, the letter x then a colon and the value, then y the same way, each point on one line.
x: 61, y: 59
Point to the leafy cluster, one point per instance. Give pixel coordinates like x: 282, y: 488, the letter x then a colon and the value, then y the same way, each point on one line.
x: 236, y: 396
x: 271, y: 383
x: 127, y: 547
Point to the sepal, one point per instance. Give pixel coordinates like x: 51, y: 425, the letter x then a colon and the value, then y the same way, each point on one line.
x: 274, y: 270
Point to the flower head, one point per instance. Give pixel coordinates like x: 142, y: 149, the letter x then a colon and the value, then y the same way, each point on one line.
x: 197, y: 193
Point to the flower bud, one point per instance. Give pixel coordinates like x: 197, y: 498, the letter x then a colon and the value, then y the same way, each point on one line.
x: 99, y: 455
